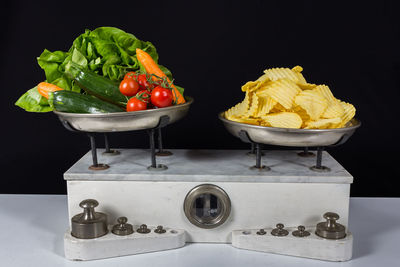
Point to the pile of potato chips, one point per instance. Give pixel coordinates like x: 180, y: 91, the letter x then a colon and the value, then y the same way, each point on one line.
x: 283, y: 98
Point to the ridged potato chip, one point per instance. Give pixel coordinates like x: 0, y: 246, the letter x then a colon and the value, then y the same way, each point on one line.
x: 263, y: 88
x: 266, y: 104
x: 265, y: 123
x: 307, y: 86
x: 282, y: 91
x: 312, y: 102
x: 246, y: 120
x: 302, y: 83
x: 249, y: 85
x: 283, y: 120
x: 334, y: 110
x: 278, y: 108
x: 349, y: 113
x: 262, y: 85
x: 325, y: 92
x: 300, y: 77
x: 239, y: 109
x: 294, y: 74
x: 263, y: 78
x: 323, y: 123
x: 302, y: 113
x: 253, y: 106
x: 297, y: 68
x: 282, y: 97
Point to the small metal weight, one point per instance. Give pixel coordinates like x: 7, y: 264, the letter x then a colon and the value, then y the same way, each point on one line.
x: 143, y: 229
x: 279, y: 231
x: 160, y: 230
x: 261, y: 232
x: 331, y: 229
x: 301, y: 232
x: 122, y: 227
x: 89, y: 224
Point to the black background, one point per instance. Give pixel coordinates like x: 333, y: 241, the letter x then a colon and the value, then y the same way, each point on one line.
x: 212, y: 49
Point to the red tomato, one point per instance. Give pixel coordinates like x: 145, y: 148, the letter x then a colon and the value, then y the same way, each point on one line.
x: 135, y: 104
x: 144, y: 95
x: 130, y: 74
x: 143, y: 82
x: 161, y: 97
x: 129, y: 87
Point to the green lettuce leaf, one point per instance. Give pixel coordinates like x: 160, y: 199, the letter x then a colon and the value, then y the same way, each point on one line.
x: 32, y: 101
x: 78, y: 58
x: 107, y: 51
x: 50, y: 62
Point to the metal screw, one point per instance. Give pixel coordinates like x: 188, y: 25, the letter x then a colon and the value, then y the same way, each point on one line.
x: 143, y: 229
x: 261, y: 232
x: 160, y: 230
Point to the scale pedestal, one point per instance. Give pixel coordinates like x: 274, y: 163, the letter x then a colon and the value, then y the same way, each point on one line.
x: 212, y: 193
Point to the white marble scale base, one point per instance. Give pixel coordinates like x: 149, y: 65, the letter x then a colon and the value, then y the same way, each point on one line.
x: 311, y: 246
x: 111, y: 245
x: 290, y: 193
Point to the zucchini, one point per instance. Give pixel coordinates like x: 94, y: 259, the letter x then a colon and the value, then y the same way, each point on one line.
x: 68, y: 101
x: 97, y: 85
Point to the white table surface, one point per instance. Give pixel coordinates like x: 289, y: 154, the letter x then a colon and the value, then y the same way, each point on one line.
x: 32, y: 228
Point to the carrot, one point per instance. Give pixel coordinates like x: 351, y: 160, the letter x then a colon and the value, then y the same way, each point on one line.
x: 151, y: 67
x: 45, y: 88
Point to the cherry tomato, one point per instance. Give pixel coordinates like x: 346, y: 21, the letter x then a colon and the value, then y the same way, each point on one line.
x: 129, y: 87
x: 161, y: 97
x: 144, y: 95
x: 135, y: 104
x: 143, y: 82
x: 130, y: 74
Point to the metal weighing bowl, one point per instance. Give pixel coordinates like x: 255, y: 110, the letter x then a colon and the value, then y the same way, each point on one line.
x: 124, y: 121
x: 292, y: 137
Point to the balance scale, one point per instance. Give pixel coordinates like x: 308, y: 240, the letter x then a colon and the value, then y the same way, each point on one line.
x: 276, y: 201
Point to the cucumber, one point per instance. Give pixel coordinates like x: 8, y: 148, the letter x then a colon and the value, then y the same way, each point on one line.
x: 68, y: 101
x: 97, y: 85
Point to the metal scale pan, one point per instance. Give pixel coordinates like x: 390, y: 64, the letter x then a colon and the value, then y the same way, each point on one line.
x: 151, y: 120
x: 319, y: 138
x: 124, y: 121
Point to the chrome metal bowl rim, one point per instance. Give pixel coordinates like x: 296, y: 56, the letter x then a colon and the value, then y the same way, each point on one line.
x: 355, y: 124
x: 189, y: 101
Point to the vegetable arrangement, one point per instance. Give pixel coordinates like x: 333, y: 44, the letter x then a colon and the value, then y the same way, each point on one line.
x: 105, y: 70
x: 149, y: 89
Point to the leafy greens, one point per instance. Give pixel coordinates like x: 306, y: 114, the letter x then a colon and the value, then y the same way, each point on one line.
x: 107, y: 51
